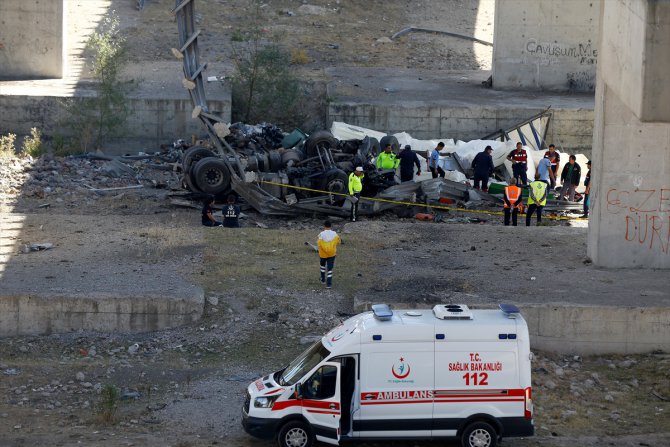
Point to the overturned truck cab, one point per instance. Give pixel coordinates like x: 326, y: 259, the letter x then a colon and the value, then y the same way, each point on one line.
x: 449, y: 372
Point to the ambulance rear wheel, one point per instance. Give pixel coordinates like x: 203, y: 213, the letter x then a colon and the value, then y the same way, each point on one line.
x: 479, y: 434
x: 295, y: 434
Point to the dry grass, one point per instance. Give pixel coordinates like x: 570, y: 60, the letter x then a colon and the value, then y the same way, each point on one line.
x: 158, y: 242
x: 299, y: 56
x: 253, y: 259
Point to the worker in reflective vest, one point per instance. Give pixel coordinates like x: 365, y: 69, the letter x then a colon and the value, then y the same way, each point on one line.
x: 388, y: 160
x: 355, y: 188
x: 537, y: 198
x: 512, y: 197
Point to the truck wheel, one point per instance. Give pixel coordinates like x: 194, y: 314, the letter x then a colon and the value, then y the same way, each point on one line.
x: 295, y: 434
x: 193, y: 155
x: 212, y: 175
x: 393, y: 141
x: 479, y: 434
x: 321, y: 138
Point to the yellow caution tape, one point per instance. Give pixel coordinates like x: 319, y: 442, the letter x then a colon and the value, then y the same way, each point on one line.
x: 398, y: 202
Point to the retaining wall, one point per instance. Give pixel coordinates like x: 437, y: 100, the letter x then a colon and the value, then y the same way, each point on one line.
x: 585, y: 330
x: 569, y: 128
x: 47, y: 314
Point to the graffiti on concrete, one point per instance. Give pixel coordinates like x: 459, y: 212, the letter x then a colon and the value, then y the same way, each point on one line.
x: 645, y: 215
x: 581, y: 81
x: 555, y: 53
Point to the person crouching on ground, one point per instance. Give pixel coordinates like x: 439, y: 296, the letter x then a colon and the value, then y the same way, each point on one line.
x: 207, y: 216
x: 537, y: 198
x: 327, y: 242
x: 231, y: 213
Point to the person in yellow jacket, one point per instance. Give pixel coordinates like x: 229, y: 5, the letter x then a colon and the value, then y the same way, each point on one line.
x: 537, y: 199
x: 355, y: 188
x: 388, y: 160
x: 327, y: 242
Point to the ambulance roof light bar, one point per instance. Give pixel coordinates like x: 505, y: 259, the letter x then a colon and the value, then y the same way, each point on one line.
x: 510, y: 310
x: 452, y: 312
x: 382, y: 312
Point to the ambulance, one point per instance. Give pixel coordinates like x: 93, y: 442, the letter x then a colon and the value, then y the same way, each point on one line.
x: 449, y: 372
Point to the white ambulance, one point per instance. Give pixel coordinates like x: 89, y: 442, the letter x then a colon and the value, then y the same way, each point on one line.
x: 449, y: 372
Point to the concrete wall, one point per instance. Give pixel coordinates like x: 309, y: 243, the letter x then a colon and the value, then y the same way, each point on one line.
x: 153, y: 121
x: 546, y: 44
x: 630, y: 223
x: 31, y: 39
x: 571, y: 128
x: 50, y: 314
x: 584, y: 330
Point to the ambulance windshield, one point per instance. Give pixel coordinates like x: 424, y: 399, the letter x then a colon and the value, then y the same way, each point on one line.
x: 303, y: 364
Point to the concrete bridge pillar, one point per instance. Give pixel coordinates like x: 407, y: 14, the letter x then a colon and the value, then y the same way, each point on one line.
x: 31, y: 39
x: 630, y: 219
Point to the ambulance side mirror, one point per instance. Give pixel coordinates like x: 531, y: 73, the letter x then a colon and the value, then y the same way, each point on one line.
x: 297, y: 393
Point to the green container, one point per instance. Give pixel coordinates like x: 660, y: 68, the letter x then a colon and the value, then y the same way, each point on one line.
x: 293, y: 138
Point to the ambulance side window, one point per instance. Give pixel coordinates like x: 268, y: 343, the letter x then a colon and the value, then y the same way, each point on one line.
x: 321, y: 385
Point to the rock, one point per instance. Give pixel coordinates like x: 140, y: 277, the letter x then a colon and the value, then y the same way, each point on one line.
x: 87, y: 385
x: 312, y: 10
x: 132, y: 349
x: 80, y: 376
x: 24, y: 349
x: 214, y: 301
x: 11, y: 372
x: 550, y: 384
x: 559, y: 372
x: 609, y: 397
x: 384, y: 40
x: 308, y: 339
x: 568, y: 413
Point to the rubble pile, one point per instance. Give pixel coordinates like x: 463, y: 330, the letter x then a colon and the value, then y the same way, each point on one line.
x: 67, y: 179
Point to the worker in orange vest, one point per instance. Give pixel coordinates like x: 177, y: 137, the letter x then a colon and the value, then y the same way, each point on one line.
x: 512, y: 197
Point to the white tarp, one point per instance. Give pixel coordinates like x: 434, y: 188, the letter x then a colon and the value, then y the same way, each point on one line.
x: 466, y: 150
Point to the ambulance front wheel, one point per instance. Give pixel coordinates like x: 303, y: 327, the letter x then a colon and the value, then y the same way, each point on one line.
x: 295, y: 434
x: 479, y: 434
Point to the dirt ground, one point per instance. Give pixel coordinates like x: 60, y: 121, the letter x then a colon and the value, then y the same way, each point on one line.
x: 184, y: 387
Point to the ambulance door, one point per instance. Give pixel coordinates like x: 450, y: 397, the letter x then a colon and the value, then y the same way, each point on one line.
x: 397, y: 382
x: 321, y: 404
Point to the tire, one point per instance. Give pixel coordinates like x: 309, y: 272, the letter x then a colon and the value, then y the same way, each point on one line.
x: 390, y: 139
x: 375, y: 146
x: 479, y: 434
x: 321, y: 138
x: 193, y: 155
x: 291, y: 155
x: 295, y: 434
x: 336, y: 181
x: 211, y: 175
x: 275, y: 161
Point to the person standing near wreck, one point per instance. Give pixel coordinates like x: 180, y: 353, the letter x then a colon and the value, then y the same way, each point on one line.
x: 512, y: 197
x: 355, y: 188
x: 434, y: 159
x: 483, y: 167
x: 388, y: 160
x: 231, y: 213
x: 519, y: 159
x: 537, y: 198
x: 407, y: 161
x: 554, y: 158
x: 571, y: 176
x: 327, y: 243
x: 207, y: 214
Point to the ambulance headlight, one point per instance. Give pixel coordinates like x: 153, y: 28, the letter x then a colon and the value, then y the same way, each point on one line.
x: 265, y: 402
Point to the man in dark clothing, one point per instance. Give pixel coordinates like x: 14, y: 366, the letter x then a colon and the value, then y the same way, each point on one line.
x: 519, y: 159
x: 207, y: 216
x: 231, y: 214
x: 571, y: 176
x: 483, y: 167
x: 407, y: 160
x: 587, y: 193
